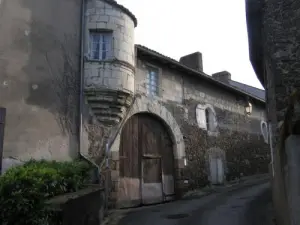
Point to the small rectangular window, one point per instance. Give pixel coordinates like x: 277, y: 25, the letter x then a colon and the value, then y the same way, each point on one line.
x: 100, y: 45
x: 152, y: 81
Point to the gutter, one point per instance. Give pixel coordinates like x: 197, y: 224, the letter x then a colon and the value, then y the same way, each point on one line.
x: 81, y: 91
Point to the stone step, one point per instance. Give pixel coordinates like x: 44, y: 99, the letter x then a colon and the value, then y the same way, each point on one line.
x: 100, y: 106
x: 111, y: 113
x: 111, y: 121
x: 109, y: 100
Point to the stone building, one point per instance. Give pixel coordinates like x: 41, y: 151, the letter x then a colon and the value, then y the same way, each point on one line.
x: 274, y: 37
x: 75, y: 85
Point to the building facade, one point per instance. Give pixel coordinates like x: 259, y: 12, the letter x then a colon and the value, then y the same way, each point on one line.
x: 163, y: 125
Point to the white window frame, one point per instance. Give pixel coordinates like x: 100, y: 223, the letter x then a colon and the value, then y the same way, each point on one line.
x: 265, y: 133
x: 152, y: 84
x: 202, y: 120
x: 105, y: 42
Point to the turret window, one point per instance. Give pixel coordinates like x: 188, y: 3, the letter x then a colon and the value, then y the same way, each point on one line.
x: 100, y: 45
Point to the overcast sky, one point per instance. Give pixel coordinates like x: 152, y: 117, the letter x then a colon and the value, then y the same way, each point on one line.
x: 216, y: 28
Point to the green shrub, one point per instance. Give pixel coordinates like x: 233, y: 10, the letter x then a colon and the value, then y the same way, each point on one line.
x: 24, y: 189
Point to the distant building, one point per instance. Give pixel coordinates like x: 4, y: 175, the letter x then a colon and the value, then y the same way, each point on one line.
x: 169, y: 126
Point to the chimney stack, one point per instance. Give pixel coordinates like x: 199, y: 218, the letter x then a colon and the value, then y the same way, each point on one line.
x: 223, y: 76
x: 194, y: 61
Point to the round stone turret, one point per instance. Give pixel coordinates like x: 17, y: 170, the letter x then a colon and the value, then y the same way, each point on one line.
x: 109, y: 59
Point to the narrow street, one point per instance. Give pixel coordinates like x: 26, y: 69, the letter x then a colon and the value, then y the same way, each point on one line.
x: 247, y: 205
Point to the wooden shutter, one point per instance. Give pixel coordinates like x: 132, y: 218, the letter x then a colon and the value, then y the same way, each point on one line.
x: 215, y: 122
x: 201, y: 117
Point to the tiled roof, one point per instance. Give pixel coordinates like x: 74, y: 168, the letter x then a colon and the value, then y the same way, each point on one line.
x: 234, y: 88
x: 259, y: 93
x: 124, y: 9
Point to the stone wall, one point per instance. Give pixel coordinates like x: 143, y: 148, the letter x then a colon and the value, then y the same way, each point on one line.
x: 239, y: 136
x: 39, y: 78
x: 280, y: 47
x: 281, y: 42
x: 246, y: 152
x: 84, y: 207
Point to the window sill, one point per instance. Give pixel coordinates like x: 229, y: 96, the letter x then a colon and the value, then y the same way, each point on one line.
x: 213, y: 133
x: 98, y: 61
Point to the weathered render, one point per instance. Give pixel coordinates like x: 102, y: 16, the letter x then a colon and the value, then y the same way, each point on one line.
x: 39, y: 78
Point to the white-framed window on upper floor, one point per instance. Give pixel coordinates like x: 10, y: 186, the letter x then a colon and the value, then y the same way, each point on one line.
x: 152, y: 82
x: 265, y: 131
x: 100, y: 45
x: 206, y: 118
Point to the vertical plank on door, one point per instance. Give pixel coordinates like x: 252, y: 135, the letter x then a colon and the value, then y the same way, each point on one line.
x: 151, y: 169
x: 148, y: 141
x: 130, y: 164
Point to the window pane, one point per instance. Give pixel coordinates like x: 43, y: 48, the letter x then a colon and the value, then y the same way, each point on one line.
x: 95, y: 50
x: 96, y: 37
x: 104, y: 55
x: 153, y: 82
x: 100, y: 45
x: 153, y: 75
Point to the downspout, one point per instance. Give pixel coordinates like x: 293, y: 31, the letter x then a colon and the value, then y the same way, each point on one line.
x: 81, y: 95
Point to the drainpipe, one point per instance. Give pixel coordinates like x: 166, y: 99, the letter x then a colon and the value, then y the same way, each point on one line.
x: 81, y: 96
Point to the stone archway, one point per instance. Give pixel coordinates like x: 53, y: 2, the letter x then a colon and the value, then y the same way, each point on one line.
x: 146, y: 105
x: 149, y: 106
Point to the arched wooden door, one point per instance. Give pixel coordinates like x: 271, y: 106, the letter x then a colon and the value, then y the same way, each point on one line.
x: 146, y: 162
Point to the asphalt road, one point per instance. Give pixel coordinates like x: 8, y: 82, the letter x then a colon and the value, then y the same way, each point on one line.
x: 243, y: 206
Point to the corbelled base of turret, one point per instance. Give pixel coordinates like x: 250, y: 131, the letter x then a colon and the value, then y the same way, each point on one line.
x: 109, y: 106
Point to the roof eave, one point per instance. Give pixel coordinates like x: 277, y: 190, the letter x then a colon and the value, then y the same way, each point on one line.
x: 201, y: 75
x: 254, y: 27
x: 124, y: 9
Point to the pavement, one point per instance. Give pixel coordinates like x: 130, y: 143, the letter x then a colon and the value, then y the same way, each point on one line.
x: 244, y: 203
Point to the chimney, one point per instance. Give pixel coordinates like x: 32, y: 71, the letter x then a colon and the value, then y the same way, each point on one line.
x: 223, y: 76
x: 194, y: 61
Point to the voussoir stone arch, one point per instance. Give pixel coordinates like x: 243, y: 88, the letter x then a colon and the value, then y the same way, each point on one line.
x: 145, y: 105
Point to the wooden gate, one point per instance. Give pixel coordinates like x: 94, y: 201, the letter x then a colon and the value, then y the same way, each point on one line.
x: 2, y: 124
x: 146, y: 162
